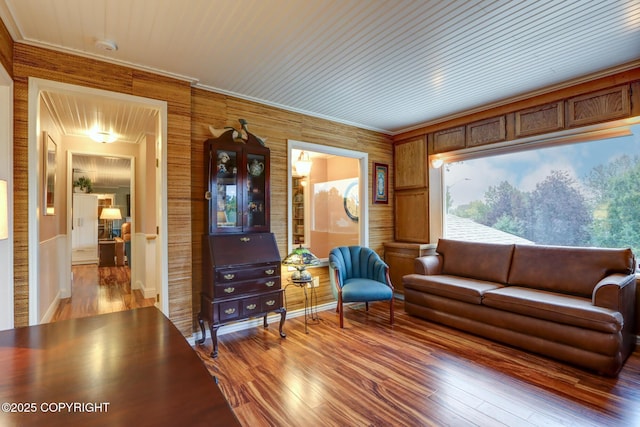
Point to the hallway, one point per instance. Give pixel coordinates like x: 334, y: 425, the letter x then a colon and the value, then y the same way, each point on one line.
x: 99, y: 290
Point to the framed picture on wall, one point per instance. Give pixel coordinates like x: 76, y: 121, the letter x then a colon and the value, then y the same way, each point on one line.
x: 380, y: 183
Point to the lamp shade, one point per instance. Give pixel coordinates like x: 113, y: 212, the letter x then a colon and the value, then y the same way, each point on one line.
x: 301, y: 258
x: 4, y: 210
x: 110, y: 213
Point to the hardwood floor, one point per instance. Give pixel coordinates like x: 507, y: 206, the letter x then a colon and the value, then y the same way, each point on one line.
x: 415, y: 373
x: 99, y: 290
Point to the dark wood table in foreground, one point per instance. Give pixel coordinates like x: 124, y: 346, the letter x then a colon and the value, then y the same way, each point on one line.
x: 119, y: 369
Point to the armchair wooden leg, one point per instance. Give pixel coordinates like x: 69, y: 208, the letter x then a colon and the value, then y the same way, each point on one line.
x: 366, y: 306
x: 341, y: 311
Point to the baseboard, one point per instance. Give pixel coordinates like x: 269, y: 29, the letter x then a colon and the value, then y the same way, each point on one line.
x: 255, y: 322
x: 146, y: 292
x: 51, y: 311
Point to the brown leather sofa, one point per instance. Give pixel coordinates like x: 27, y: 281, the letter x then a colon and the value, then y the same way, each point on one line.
x: 573, y: 304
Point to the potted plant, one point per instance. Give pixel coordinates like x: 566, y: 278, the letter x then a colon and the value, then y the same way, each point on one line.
x: 82, y: 185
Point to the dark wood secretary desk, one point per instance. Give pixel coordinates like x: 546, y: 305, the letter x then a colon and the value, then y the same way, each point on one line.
x: 240, y: 258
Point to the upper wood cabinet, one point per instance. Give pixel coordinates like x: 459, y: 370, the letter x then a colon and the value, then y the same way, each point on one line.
x: 410, y: 164
x: 539, y: 119
x: 587, y: 108
x: 238, y: 185
x: 486, y: 131
x: 448, y: 139
x: 600, y: 106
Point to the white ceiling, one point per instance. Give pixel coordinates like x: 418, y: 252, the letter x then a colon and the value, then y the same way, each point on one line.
x: 103, y: 171
x: 383, y: 65
x: 76, y: 114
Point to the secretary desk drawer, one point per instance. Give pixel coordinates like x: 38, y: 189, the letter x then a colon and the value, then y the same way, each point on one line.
x: 253, y: 305
x: 224, y: 290
x: 225, y: 275
x: 229, y: 310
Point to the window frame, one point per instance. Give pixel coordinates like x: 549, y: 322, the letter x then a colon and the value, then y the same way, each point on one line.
x: 363, y: 185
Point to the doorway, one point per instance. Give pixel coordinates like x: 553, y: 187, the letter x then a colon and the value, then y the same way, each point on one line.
x: 51, y: 264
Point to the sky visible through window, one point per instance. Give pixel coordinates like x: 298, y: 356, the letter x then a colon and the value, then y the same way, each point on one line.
x: 580, y: 194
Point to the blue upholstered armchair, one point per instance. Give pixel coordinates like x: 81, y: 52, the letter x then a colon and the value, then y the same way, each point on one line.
x: 358, y: 274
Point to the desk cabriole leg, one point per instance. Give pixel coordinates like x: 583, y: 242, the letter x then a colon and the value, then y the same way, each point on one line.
x: 214, y: 340
x: 283, y: 315
x: 204, y: 331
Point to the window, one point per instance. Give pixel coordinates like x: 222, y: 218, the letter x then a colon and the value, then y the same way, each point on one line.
x: 585, y: 192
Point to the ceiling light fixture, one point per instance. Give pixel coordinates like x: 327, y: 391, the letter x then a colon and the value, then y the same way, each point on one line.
x: 102, y: 136
x: 108, y: 45
x: 303, y: 164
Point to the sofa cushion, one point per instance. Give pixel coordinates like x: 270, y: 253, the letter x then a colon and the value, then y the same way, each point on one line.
x: 566, y: 309
x: 569, y: 270
x: 458, y: 288
x: 481, y: 261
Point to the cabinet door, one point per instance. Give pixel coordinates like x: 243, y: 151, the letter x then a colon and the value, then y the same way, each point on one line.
x: 238, y: 185
x: 412, y: 215
x: 256, y: 198
x: 410, y: 164
x: 84, y: 234
x: 225, y: 187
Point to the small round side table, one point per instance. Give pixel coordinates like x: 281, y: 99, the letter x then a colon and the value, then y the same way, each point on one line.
x: 310, y: 300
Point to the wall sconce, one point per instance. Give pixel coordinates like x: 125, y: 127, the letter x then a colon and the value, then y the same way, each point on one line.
x: 437, y: 162
x: 110, y: 214
x: 303, y: 164
x: 4, y: 210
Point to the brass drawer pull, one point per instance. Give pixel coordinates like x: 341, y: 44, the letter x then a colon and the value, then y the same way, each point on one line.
x: 229, y: 290
x: 245, y: 239
x: 229, y: 276
x: 270, y: 302
x: 230, y: 311
x: 251, y: 307
x: 270, y: 283
x: 270, y: 271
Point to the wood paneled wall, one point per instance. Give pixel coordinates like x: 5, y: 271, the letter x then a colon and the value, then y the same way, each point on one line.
x: 278, y: 126
x: 190, y: 112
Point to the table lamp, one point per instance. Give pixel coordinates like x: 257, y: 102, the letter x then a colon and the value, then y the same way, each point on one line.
x: 109, y: 214
x: 300, y: 258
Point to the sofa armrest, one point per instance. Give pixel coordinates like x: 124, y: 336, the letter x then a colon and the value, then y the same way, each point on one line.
x: 429, y: 264
x: 615, y: 291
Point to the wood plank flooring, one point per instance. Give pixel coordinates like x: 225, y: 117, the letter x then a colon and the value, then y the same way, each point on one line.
x: 415, y: 373
x: 99, y: 290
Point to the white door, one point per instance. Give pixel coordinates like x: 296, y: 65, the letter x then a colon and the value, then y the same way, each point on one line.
x: 84, y: 236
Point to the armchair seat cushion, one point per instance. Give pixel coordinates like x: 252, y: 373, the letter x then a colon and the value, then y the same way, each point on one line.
x: 364, y: 290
